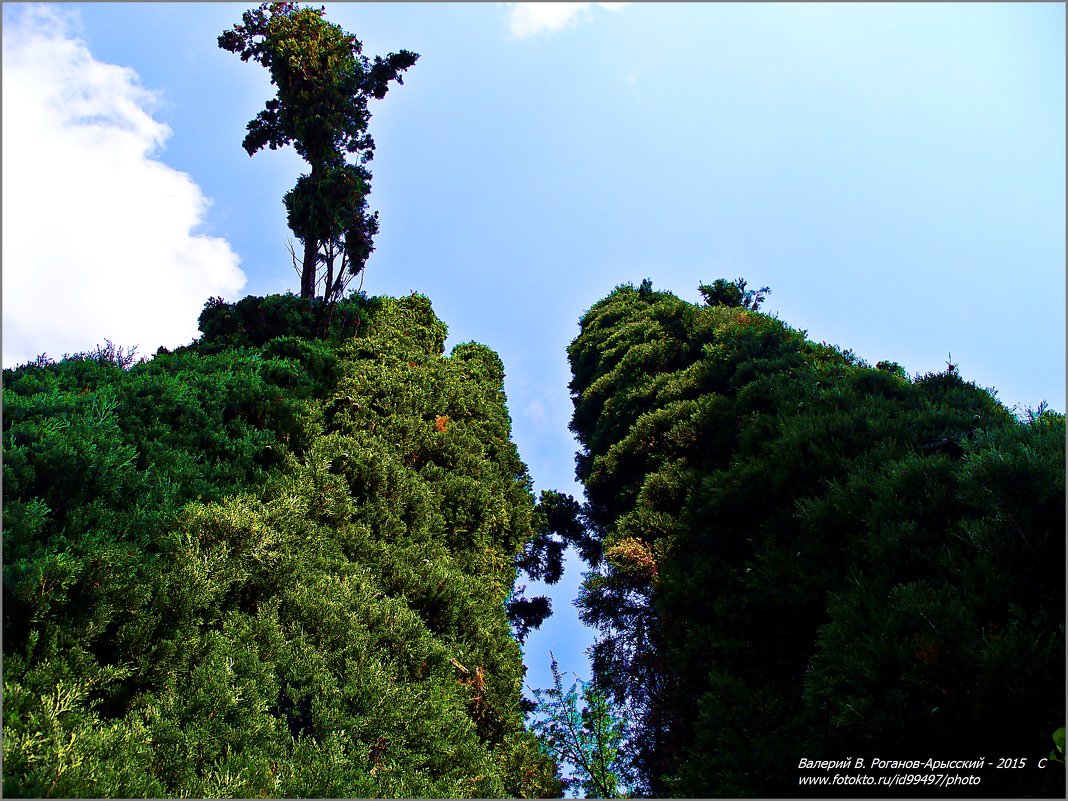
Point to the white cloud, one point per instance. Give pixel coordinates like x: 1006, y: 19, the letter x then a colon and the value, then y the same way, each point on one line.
x: 530, y: 19
x: 99, y: 235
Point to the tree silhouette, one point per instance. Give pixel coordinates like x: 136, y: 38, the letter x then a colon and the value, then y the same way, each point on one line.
x: 324, y: 83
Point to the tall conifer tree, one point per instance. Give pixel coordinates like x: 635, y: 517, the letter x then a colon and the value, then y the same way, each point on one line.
x: 324, y: 83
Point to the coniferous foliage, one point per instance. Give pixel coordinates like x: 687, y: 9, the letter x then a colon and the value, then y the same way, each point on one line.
x: 266, y: 565
x: 255, y: 321
x: 722, y: 292
x: 805, y: 556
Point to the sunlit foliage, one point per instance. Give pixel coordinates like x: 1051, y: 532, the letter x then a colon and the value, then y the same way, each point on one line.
x: 582, y: 730
x: 267, y: 565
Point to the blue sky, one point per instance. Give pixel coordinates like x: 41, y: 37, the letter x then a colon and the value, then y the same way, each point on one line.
x: 894, y: 172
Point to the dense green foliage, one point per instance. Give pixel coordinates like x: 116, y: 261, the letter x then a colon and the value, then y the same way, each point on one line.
x: 805, y: 556
x: 267, y: 565
x: 324, y: 83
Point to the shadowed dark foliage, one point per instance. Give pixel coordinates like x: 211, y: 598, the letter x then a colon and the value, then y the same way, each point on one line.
x: 807, y: 557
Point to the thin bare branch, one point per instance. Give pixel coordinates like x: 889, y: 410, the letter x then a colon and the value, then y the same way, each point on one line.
x: 293, y: 255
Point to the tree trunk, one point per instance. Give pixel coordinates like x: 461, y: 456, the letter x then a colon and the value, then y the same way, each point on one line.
x: 307, y: 273
x: 311, y: 251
